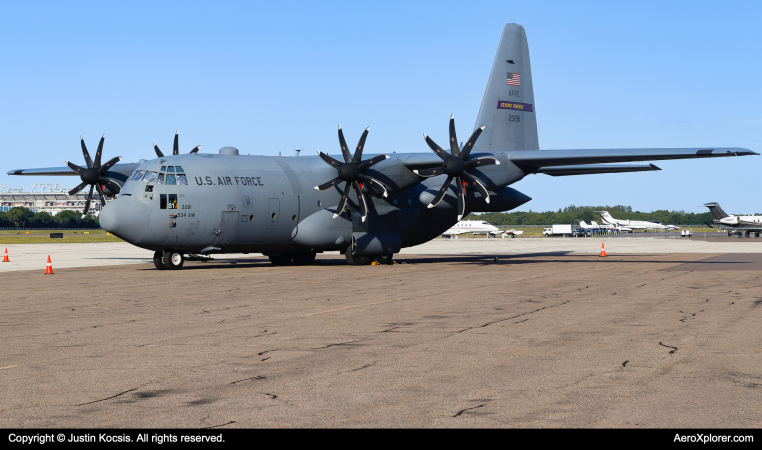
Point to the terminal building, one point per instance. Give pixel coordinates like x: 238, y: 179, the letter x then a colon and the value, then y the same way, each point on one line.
x: 50, y: 198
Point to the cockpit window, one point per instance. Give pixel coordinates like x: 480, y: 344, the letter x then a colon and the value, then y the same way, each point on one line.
x: 171, y: 169
x: 160, y: 180
x: 150, y: 177
x: 163, y: 168
x: 138, y: 175
x: 181, y: 179
x: 170, y: 179
x: 178, y: 169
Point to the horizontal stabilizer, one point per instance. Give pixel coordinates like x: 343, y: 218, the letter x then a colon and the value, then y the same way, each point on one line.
x: 532, y: 159
x: 590, y: 169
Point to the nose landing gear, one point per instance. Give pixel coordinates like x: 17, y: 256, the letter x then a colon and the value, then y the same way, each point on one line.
x: 168, y: 259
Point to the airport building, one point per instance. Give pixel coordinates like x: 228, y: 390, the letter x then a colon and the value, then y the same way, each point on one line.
x: 49, y: 198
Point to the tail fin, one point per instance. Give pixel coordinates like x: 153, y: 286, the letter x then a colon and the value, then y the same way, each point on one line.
x: 508, y: 109
x: 716, y: 210
x: 606, y: 217
x: 594, y: 223
x: 582, y: 223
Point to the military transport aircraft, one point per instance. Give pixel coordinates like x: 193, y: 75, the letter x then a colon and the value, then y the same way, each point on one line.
x: 367, y: 207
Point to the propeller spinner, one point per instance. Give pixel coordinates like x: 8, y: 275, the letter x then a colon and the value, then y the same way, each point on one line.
x: 94, y: 175
x: 456, y: 165
x: 175, y: 147
x: 352, y: 172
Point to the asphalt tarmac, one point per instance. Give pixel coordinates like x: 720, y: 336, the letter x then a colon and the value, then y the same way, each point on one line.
x: 551, y: 339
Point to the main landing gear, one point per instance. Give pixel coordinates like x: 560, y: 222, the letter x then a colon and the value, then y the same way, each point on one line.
x: 168, y: 259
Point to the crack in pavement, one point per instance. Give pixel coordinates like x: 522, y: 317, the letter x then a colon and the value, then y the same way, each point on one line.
x: 258, y: 377
x: 468, y: 409
x: 339, y: 344
x: 220, y: 425
x: 109, y: 398
x: 669, y: 346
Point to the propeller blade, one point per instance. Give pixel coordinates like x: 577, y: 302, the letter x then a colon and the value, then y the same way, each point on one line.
x: 476, y: 184
x: 461, y: 198
x: 330, y: 161
x: 176, y: 145
x: 100, y: 193
x: 361, y: 201
x: 78, y: 188
x: 437, y: 149
x: 478, y: 162
x: 344, y: 148
x: 342, y: 202
x: 112, y: 186
x: 195, y: 149
x: 471, y: 141
x: 109, y: 164
x: 360, y: 145
x: 158, y: 152
x: 453, y: 139
x: 84, y: 152
x: 442, y: 192
x: 372, y: 162
x: 99, y: 152
x: 373, y: 184
x: 88, y: 199
x: 75, y: 167
x: 429, y: 172
x: 328, y: 185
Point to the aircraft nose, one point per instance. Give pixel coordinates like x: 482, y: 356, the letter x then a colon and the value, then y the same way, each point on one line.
x: 125, y: 217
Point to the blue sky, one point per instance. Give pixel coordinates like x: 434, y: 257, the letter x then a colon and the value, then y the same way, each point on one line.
x: 275, y: 76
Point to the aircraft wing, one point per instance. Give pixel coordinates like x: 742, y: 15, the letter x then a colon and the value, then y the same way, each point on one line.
x: 119, y: 172
x: 535, y: 159
x: 589, y: 169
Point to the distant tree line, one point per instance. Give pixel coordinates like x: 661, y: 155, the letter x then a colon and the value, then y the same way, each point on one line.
x: 572, y: 214
x: 20, y: 217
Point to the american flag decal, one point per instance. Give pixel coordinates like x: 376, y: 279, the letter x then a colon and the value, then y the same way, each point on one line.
x: 514, y: 79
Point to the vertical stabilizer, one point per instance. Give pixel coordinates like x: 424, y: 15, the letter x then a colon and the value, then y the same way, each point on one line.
x: 606, y: 217
x: 508, y: 110
x: 716, y: 210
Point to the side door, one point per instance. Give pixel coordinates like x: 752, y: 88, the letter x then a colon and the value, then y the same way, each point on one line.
x: 225, y: 233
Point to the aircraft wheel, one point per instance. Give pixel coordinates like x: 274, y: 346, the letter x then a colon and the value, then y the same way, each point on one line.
x: 158, y: 260
x: 173, y: 260
x: 355, y: 260
x: 385, y: 259
x: 304, y: 258
x: 281, y: 260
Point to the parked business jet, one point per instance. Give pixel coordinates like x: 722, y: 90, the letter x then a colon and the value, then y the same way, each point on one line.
x: 739, y: 224
x: 634, y: 224
x: 473, y: 227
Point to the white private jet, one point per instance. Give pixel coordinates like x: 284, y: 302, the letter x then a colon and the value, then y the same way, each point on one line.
x: 634, y: 224
x: 476, y: 227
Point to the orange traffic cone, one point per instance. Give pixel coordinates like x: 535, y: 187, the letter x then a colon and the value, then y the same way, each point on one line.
x: 49, y: 267
x: 5, y: 258
x: 603, y: 250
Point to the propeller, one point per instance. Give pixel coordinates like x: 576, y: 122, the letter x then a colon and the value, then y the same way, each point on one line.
x: 352, y: 172
x: 175, y: 147
x: 94, y: 175
x: 456, y: 165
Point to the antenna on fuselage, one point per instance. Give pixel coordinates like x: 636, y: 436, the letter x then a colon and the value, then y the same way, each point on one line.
x: 296, y: 151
